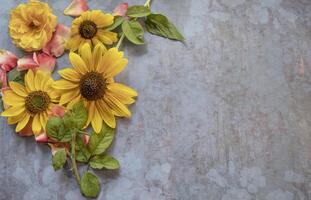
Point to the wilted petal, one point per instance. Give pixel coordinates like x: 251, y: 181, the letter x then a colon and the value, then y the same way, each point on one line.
x: 121, y: 9
x: 26, y: 63
x: 27, y: 131
x: 56, y: 46
x: 45, y: 61
x: 76, y: 8
x: 42, y: 138
x: 7, y: 60
x: 57, y: 111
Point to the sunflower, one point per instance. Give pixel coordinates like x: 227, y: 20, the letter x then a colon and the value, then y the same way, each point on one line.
x: 90, y: 28
x: 92, y: 80
x: 32, y: 25
x: 30, y: 102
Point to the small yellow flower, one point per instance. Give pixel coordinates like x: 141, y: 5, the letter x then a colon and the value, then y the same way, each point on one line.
x: 90, y: 28
x: 31, y: 25
x: 31, y: 102
x: 92, y: 80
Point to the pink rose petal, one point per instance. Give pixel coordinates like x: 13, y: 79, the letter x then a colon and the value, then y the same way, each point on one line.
x: 121, y: 9
x: 37, y: 61
x: 57, y: 111
x: 42, y: 138
x: 86, y: 139
x: 45, y: 61
x: 26, y: 63
x: 3, y: 79
x: 76, y: 8
x: 7, y: 60
x: 56, y: 46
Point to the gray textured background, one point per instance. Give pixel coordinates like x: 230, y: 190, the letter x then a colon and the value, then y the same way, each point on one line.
x: 227, y: 117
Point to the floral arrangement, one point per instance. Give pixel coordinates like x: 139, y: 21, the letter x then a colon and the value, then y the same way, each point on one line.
x: 75, y: 116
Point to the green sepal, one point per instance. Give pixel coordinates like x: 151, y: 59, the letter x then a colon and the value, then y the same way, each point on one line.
x: 59, y: 159
x: 138, y: 11
x: 99, y: 142
x: 133, y: 31
x: 90, y: 186
x: 104, y: 161
x: 158, y: 24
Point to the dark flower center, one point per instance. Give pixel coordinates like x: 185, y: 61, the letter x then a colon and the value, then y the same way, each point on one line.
x: 92, y: 86
x: 88, y: 29
x: 37, y: 102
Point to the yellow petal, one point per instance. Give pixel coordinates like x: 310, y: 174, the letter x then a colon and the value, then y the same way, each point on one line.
x: 74, y: 101
x: 18, y: 89
x: 68, y: 96
x: 29, y: 81
x: 115, y: 105
x: 64, y: 85
x: 110, y: 57
x: 13, y: 111
x: 122, y: 98
x: 22, y: 123
x: 86, y: 54
x: 70, y: 74
x: 106, y: 113
x: 117, y: 67
x: 98, y: 52
x: 91, y: 110
x: 123, y: 89
x: 36, y: 125
x: 47, y: 86
x: 15, y: 119
x: 12, y: 99
x: 78, y: 63
x: 39, y: 77
x: 43, y: 119
x: 97, y: 121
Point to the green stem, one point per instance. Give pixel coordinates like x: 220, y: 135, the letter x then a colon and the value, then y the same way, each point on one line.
x: 120, y: 41
x: 73, y: 157
x: 148, y: 3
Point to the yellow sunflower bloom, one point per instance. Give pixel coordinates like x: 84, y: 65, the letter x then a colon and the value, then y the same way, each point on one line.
x: 32, y: 25
x: 30, y: 102
x: 91, y: 80
x: 90, y: 28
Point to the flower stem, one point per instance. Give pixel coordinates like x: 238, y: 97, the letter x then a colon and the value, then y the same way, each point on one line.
x: 120, y: 40
x: 73, y: 157
x: 148, y: 3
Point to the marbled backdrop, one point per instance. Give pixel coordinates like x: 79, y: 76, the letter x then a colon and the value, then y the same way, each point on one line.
x: 226, y: 117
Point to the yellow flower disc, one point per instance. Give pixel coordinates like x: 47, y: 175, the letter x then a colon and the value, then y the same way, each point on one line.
x: 32, y: 25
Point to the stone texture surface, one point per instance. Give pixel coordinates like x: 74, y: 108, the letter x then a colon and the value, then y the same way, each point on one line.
x: 226, y: 117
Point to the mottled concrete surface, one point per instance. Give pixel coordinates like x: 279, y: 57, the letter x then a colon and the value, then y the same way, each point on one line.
x: 227, y: 117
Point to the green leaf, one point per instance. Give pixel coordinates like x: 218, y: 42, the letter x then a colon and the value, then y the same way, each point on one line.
x: 90, y: 186
x: 99, y: 142
x: 158, y: 24
x: 76, y: 117
x: 59, y: 159
x: 138, y: 11
x: 118, y: 20
x: 104, y: 161
x: 16, y: 76
x: 56, y: 130
x: 133, y: 31
x: 82, y: 154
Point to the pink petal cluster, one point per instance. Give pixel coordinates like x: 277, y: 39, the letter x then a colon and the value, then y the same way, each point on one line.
x: 121, y: 9
x: 41, y: 61
x: 57, y: 44
x: 76, y: 7
x: 8, y: 61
